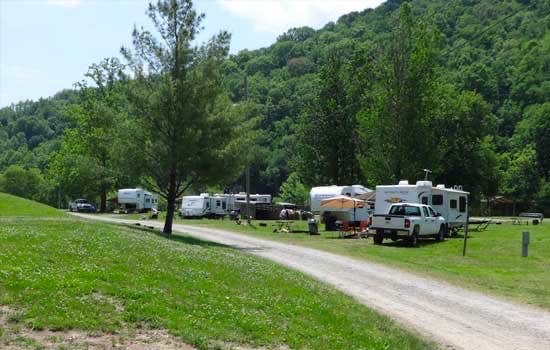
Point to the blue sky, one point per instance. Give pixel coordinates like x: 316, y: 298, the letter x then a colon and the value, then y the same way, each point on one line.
x: 47, y: 45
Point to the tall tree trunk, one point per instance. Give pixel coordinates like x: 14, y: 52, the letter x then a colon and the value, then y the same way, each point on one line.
x: 171, y: 204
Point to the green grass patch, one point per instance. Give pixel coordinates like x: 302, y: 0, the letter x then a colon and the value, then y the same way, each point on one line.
x: 493, y: 262
x: 100, y: 277
x: 16, y: 206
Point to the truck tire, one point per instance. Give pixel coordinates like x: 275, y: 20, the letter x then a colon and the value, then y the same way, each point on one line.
x: 413, y: 239
x: 441, y: 234
x: 378, y: 238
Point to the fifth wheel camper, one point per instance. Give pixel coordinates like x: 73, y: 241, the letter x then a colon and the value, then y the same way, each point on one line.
x: 451, y: 203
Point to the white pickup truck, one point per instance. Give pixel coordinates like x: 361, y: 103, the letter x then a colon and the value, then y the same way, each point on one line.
x: 408, y: 221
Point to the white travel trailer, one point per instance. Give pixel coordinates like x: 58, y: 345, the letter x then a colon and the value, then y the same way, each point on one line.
x: 203, y: 205
x: 317, y: 194
x: 235, y: 200
x: 451, y: 203
x: 137, y: 199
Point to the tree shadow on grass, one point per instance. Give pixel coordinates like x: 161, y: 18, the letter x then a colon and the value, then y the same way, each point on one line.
x: 177, y: 237
x: 461, y: 235
x: 403, y: 243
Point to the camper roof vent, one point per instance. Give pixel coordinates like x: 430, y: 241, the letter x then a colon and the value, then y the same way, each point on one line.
x: 457, y: 187
x: 204, y: 195
x: 404, y: 182
x: 440, y: 186
x: 424, y: 183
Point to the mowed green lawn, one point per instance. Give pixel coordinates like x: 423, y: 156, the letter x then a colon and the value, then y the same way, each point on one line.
x: 493, y: 262
x: 19, y: 207
x: 72, y: 274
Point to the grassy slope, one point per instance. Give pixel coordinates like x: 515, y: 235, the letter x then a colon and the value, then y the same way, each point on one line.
x: 74, y: 274
x: 493, y: 262
x: 16, y: 206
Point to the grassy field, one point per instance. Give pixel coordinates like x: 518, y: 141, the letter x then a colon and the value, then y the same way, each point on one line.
x: 493, y: 262
x: 15, y: 206
x: 71, y: 274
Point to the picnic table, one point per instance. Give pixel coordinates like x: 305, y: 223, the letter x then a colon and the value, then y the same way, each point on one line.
x: 519, y: 221
x: 283, y: 226
x: 535, y: 216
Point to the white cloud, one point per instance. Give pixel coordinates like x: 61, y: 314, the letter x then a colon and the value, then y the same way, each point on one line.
x: 65, y: 3
x: 276, y: 16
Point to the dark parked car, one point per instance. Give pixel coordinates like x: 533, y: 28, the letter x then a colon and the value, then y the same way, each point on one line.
x: 82, y: 205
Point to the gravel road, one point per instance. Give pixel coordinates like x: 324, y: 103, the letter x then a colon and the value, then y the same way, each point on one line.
x: 454, y: 317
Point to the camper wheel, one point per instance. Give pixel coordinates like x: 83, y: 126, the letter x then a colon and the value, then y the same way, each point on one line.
x: 378, y: 237
x: 441, y: 234
x: 454, y: 231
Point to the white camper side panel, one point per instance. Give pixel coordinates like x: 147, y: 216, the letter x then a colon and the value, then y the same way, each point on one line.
x: 194, y: 206
x: 388, y: 195
x: 450, y: 207
x: 459, y: 214
x: 149, y: 201
x: 137, y: 198
x: 440, y: 202
x: 127, y: 196
x: 218, y: 205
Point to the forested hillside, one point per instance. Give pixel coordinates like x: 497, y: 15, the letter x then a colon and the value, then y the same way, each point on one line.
x: 461, y: 87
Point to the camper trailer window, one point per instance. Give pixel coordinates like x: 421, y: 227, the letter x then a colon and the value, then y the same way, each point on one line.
x: 425, y: 200
x: 139, y: 195
x: 462, y: 204
x: 437, y: 199
x: 453, y: 204
x: 218, y: 203
x: 224, y: 205
x: 147, y: 200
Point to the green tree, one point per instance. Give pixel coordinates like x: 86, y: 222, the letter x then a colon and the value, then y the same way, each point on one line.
x: 189, y: 131
x: 521, y: 177
x: 395, y: 124
x: 85, y: 165
x: 463, y: 125
x: 534, y: 129
x: 22, y: 182
x: 294, y: 191
x: 328, y: 137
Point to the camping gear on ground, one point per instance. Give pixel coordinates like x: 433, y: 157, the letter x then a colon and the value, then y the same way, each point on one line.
x: 344, y: 202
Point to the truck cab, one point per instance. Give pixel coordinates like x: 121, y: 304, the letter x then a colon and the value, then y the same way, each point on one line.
x: 408, y: 221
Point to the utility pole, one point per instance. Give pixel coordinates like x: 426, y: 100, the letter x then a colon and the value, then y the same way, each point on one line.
x: 465, y: 235
x: 247, y: 165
